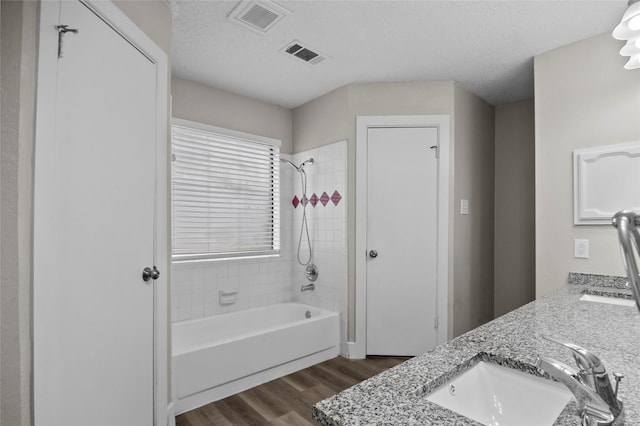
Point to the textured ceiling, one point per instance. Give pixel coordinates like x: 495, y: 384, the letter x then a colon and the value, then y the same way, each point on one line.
x: 485, y: 46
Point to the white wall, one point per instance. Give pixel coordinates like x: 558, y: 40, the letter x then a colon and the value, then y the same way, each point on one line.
x: 584, y: 98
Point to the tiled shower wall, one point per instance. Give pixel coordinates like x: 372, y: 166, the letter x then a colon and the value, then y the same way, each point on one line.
x: 269, y: 280
x: 327, y: 219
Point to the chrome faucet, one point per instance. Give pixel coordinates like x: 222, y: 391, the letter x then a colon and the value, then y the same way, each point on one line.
x: 628, y: 226
x: 590, y: 384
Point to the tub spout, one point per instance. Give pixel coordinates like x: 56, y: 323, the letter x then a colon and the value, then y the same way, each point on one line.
x: 307, y: 287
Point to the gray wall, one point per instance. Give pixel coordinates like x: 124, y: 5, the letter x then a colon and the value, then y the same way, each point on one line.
x: 151, y: 16
x: 471, y: 246
x: 332, y: 117
x: 18, y: 100
x: 406, y: 98
x: 584, y: 98
x: 322, y: 121
x: 205, y: 104
x: 514, y: 255
x: 19, y: 33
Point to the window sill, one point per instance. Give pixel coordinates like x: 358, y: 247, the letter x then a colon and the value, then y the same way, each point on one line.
x: 223, y: 259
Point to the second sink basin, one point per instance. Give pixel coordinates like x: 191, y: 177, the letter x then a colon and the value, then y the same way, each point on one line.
x: 499, y: 396
x: 607, y: 299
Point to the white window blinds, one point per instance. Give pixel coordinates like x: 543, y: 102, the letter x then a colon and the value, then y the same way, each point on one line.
x: 225, y: 193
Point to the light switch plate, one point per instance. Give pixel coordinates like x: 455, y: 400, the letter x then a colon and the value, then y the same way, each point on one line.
x: 464, y: 206
x: 581, y: 249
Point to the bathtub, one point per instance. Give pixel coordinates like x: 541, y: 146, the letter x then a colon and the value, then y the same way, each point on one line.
x: 218, y: 356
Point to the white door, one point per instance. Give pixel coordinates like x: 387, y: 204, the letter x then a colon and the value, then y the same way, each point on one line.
x: 94, y: 232
x: 401, y: 240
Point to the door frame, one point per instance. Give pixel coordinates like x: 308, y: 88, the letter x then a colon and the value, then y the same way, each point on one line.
x: 45, y: 140
x: 358, y: 349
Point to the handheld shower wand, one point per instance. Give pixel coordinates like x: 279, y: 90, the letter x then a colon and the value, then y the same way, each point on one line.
x: 311, y: 269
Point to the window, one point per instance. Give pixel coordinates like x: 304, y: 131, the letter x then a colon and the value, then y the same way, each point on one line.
x: 225, y: 193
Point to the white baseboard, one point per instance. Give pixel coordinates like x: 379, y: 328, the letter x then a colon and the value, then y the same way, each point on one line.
x: 355, y: 350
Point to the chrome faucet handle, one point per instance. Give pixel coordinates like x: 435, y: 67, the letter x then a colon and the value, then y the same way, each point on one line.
x: 593, y: 375
x: 618, y: 377
x: 586, y: 360
x: 594, y: 411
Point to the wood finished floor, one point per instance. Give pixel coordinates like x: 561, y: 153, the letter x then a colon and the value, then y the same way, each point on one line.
x: 288, y: 400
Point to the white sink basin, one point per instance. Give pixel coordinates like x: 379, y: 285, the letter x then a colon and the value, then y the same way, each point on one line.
x: 607, y: 299
x: 500, y: 396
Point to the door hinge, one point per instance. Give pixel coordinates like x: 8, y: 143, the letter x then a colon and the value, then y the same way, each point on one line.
x: 437, y: 148
x: 63, y: 29
x: 435, y: 322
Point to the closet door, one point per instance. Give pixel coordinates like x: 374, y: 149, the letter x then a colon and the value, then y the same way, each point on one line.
x: 402, y: 240
x: 94, y: 229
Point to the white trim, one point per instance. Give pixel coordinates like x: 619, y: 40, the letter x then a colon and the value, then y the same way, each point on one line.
x: 45, y: 129
x: 589, y: 202
x: 171, y: 414
x: 225, y: 132
x: 352, y: 351
x: 358, y: 349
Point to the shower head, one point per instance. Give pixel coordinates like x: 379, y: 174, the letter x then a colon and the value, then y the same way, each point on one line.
x: 304, y: 163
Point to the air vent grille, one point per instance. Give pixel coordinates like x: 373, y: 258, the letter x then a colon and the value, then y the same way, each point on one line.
x: 258, y: 15
x: 303, y: 52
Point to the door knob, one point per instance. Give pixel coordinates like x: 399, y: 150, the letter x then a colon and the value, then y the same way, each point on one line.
x: 150, y: 274
x: 373, y: 254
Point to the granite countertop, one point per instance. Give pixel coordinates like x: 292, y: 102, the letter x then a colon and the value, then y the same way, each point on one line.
x: 396, y: 396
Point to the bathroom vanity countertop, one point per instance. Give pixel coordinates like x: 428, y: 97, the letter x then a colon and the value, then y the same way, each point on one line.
x: 396, y: 396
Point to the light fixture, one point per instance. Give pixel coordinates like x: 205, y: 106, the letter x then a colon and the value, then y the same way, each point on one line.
x: 631, y: 48
x: 633, y: 63
x: 629, y: 30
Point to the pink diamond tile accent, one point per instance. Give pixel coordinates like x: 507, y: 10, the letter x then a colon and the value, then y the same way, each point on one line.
x: 295, y: 201
x: 336, y: 197
x: 304, y: 201
x: 313, y: 200
x: 324, y: 198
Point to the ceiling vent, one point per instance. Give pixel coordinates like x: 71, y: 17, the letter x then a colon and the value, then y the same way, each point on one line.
x: 303, y: 52
x: 258, y: 15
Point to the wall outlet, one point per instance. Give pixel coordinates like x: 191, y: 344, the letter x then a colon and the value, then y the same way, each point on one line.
x: 464, y: 206
x: 581, y: 249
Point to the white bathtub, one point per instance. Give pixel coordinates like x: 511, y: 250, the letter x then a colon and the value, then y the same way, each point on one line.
x: 218, y: 356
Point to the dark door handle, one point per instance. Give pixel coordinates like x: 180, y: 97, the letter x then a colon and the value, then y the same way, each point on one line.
x: 150, y: 274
